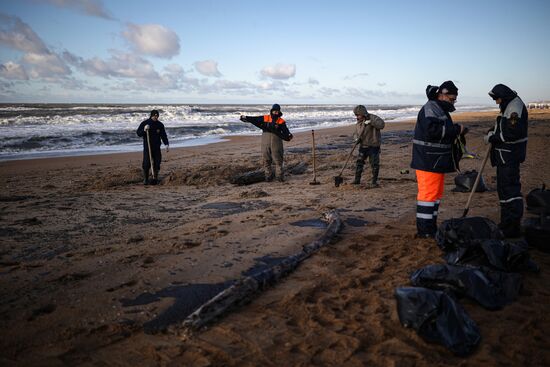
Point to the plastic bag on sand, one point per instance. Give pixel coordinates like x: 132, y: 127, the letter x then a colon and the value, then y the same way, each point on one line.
x: 498, y: 254
x: 464, y: 182
x: 436, y: 317
x: 459, y: 232
x: 491, y: 289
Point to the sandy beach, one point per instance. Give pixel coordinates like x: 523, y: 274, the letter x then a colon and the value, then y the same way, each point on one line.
x: 98, y: 269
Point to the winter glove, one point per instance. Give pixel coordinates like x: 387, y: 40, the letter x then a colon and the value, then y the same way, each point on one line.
x: 146, y: 128
x: 357, y: 141
x: 243, y: 118
x: 290, y: 137
x: 487, y: 138
x: 167, y: 148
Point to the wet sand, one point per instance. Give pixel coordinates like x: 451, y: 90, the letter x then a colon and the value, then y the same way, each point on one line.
x: 97, y: 269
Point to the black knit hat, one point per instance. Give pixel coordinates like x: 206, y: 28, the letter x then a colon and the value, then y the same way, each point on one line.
x: 275, y: 107
x: 448, y: 87
x: 155, y: 113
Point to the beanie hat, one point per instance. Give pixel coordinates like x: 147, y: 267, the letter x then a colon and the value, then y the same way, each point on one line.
x: 360, y: 110
x: 503, y: 92
x: 155, y: 113
x: 275, y: 107
x: 448, y: 87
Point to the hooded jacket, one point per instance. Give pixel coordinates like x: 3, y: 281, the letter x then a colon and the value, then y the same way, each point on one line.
x: 509, y: 141
x: 369, y: 134
x: 157, y: 133
x: 434, y: 134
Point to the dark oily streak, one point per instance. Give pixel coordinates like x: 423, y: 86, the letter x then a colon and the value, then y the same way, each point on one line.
x: 244, y: 289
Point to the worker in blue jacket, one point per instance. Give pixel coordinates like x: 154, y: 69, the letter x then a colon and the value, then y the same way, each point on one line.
x: 157, y: 134
x: 508, y: 139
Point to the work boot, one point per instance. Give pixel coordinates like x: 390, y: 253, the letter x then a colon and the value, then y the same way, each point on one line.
x: 374, y: 181
x: 146, y: 177
x: 358, y: 172
x: 268, y: 173
x: 280, y: 174
x: 511, y: 230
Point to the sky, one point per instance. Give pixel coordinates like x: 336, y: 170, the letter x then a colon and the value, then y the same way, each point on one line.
x: 297, y: 51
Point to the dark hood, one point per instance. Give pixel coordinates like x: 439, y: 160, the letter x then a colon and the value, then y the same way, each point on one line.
x: 504, y: 93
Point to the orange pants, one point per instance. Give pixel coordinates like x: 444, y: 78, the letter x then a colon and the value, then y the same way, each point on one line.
x: 430, y: 185
x: 430, y: 191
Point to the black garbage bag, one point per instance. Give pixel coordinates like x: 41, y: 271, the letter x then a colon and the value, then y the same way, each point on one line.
x: 538, y: 201
x: 459, y: 232
x: 464, y: 182
x: 500, y: 255
x: 537, y: 232
x: 491, y: 289
x: 437, y: 318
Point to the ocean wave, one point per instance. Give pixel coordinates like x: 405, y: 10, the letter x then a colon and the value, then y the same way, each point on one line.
x: 47, y: 128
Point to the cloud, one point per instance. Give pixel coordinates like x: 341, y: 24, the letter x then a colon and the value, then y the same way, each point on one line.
x: 11, y: 70
x: 279, y: 71
x: 152, y: 39
x: 328, y: 92
x: 47, y: 66
x: 380, y: 95
x: 312, y: 81
x: 119, y: 65
x: 18, y: 35
x: 90, y: 7
x: 382, y: 84
x: 355, y: 76
x: 208, y: 68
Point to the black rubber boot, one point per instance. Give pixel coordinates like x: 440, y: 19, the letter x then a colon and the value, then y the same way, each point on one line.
x: 146, y: 177
x: 374, y: 182
x: 358, y: 173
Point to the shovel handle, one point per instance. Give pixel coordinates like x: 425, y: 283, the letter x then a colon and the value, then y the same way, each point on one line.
x: 347, y: 160
x: 150, y: 154
x: 313, y: 150
x: 476, y: 182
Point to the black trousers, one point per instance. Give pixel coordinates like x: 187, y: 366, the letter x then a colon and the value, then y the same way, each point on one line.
x: 509, y: 195
x: 373, y: 154
x: 157, y: 158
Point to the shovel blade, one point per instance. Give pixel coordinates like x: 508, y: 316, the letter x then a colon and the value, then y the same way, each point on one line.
x: 338, y: 180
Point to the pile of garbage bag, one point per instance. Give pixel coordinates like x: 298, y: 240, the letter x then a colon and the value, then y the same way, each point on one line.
x: 481, y: 265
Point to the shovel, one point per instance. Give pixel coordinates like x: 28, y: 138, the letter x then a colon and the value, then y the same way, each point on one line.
x: 153, y: 181
x: 476, y: 182
x: 338, y: 180
x: 314, y: 182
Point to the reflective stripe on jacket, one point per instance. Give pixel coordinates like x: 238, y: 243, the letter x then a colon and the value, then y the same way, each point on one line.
x: 509, y: 143
x: 434, y: 134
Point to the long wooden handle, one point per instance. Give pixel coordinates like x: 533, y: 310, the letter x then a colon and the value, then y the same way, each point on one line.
x: 476, y: 182
x: 313, y: 150
x: 150, y: 155
x: 349, y: 156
